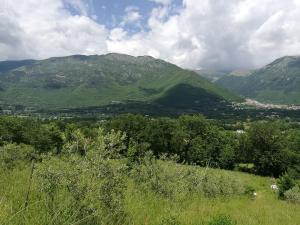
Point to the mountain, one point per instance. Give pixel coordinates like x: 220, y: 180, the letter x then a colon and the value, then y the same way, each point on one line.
x: 278, y: 82
x: 6, y: 66
x: 90, y: 81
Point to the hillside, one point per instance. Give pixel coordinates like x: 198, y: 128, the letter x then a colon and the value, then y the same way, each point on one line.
x: 6, y: 66
x: 278, y: 82
x: 86, y: 81
x: 142, y: 204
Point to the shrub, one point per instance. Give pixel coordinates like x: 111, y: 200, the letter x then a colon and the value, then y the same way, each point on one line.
x: 169, y: 220
x: 111, y: 193
x: 293, y: 195
x: 51, y: 178
x: 249, y: 191
x: 93, y: 189
x: 136, y: 151
x: 12, y: 154
x: 151, y: 174
x: 285, y: 182
x: 214, y: 185
x: 222, y: 220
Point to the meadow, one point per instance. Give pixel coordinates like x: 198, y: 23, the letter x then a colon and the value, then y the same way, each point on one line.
x: 145, y: 205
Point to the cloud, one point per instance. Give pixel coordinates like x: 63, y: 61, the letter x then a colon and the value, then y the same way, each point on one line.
x: 164, y: 2
x: 78, y: 5
x: 132, y: 17
x: 218, y: 34
x: 222, y: 35
x: 117, y: 34
x: 45, y: 28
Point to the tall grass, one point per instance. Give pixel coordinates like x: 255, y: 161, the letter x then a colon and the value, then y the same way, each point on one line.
x: 144, y: 204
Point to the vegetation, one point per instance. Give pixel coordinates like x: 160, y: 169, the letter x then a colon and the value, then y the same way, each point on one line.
x: 133, y: 169
x: 278, y: 82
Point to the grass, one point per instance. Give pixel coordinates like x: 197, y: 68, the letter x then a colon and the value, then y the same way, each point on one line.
x: 146, y: 207
x: 265, y: 209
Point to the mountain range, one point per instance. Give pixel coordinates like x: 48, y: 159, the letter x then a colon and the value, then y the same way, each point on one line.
x: 90, y: 81
x: 100, y: 80
x: 277, y: 82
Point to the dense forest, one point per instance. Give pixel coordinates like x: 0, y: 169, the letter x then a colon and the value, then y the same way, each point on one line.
x: 116, y: 171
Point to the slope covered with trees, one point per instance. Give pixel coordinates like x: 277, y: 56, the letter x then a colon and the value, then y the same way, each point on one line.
x: 278, y: 82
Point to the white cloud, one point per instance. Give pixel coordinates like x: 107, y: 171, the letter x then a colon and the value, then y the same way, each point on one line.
x: 117, y: 34
x: 220, y: 34
x: 132, y: 16
x: 164, y: 2
x: 202, y: 34
x: 44, y: 28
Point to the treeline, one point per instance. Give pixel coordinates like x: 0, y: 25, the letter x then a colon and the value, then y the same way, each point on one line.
x: 270, y: 148
x: 273, y: 147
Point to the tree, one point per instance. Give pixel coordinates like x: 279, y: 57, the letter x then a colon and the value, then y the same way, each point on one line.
x: 268, y: 148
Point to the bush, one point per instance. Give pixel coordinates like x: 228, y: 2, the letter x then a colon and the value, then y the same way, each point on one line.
x: 12, y: 154
x: 169, y: 220
x: 94, y: 188
x: 249, y: 191
x: 222, y: 220
x: 214, y: 185
x: 108, y: 145
x: 293, y: 195
x: 285, y: 183
x: 136, y: 151
x: 151, y: 174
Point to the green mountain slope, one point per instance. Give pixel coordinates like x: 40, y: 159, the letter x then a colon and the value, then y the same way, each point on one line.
x: 83, y: 81
x: 6, y: 66
x: 278, y: 82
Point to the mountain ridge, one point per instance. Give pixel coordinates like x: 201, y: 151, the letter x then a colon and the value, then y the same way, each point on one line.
x: 278, y: 82
x: 97, y: 80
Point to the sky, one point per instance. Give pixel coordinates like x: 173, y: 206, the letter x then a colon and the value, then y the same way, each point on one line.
x: 195, y: 34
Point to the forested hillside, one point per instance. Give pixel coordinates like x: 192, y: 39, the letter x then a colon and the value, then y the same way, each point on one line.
x: 278, y: 82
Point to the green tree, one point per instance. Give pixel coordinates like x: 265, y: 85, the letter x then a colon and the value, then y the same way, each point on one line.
x: 268, y: 148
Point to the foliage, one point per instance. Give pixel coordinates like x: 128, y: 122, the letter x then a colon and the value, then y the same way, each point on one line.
x: 285, y: 183
x: 43, y: 137
x: 151, y: 175
x: 12, y: 155
x: 214, y: 185
x: 192, y: 138
x: 221, y: 220
x: 161, y: 173
x: 293, y: 195
x: 169, y: 220
x: 268, y: 145
x: 273, y: 147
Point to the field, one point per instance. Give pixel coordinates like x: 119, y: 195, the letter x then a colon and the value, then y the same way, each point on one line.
x: 147, y: 207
